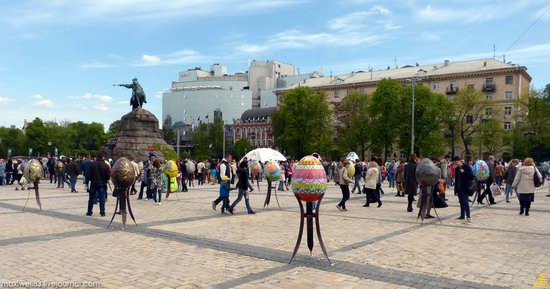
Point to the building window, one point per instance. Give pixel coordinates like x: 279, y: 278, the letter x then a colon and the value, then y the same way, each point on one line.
x: 488, y: 81
x: 489, y: 96
x: 350, y: 91
x: 471, y: 86
x: 435, y: 86
x: 452, y: 84
x: 508, y: 95
x: 509, y: 79
x: 507, y: 125
x: 508, y: 110
x: 469, y: 119
x: 336, y: 94
x: 488, y: 111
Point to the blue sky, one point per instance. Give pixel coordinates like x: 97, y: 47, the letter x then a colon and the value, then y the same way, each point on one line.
x: 59, y: 58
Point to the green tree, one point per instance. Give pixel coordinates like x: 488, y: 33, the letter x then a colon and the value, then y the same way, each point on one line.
x: 433, y: 113
x: 307, y: 126
x: 168, y: 133
x: 36, y: 136
x: 470, y: 107
x: 532, y: 122
x: 492, y: 136
x: 14, y: 139
x: 201, y: 142
x: 215, y: 135
x: 384, y: 109
x: 240, y: 148
x: 354, y: 123
x: 113, y: 129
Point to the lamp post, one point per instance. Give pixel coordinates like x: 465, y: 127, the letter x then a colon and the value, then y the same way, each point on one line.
x: 90, y: 145
x: 413, y: 81
x: 111, y: 145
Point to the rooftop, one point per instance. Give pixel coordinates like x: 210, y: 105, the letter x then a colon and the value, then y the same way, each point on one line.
x: 430, y: 70
x: 258, y: 113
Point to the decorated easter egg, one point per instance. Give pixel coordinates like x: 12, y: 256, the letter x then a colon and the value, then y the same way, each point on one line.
x: 481, y: 170
x: 122, y: 173
x: 33, y: 170
x: 59, y: 166
x: 171, y: 169
x: 272, y: 171
x: 351, y: 169
x: 200, y: 167
x: 255, y: 168
x: 309, y: 180
x: 190, y: 167
x: 427, y: 173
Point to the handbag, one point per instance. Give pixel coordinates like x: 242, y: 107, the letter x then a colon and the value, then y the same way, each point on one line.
x: 495, y: 190
x: 472, y: 187
x: 536, y: 180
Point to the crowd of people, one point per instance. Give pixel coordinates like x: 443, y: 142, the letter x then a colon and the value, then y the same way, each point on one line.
x: 514, y: 178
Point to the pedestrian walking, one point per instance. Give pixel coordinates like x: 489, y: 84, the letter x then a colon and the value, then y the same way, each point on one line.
x: 524, y: 183
x: 411, y: 185
x: 343, y: 181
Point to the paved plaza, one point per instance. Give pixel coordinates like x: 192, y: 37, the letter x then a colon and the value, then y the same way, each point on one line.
x: 185, y: 244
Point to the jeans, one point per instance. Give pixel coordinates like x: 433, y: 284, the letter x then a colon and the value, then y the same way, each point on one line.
x: 239, y: 198
x: 464, y: 205
x: 2, y: 180
x: 507, y: 192
x: 357, y: 183
x: 155, y: 192
x: 97, y: 192
x: 498, y: 180
x: 142, y: 187
x: 8, y: 178
x: 345, y: 196
x: 61, y: 181
x: 289, y: 179
x: 73, y: 183
x: 391, y: 179
x: 183, y: 185
x: 281, y: 185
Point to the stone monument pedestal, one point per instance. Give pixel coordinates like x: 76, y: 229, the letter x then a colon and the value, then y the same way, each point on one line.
x: 138, y: 131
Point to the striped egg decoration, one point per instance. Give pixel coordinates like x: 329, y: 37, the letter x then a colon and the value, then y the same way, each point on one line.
x: 309, y: 180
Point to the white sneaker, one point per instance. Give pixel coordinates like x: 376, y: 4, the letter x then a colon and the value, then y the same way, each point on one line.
x: 147, y: 199
x: 160, y: 203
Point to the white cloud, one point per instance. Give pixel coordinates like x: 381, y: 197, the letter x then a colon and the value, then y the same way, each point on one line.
x: 44, y: 103
x: 101, y: 107
x: 473, y: 13
x: 359, y: 20
x: 37, y: 96
x: 6, y: 100
x: 88, y: 96
x: 186, y: 56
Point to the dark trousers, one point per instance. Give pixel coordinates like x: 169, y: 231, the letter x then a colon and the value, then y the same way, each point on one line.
x: 183, y: 186
x: 345, y: 196
x: 52, y: 176
x: 525, y: 202
x: 357, y: 184
x: 200, y: 178
x: 8, y: 178
x: 487, y: 192
x: 240, y: 197
x: 371, y: 196
x: 157, y: 192
x: 218, y: 200
x: 61, y: 181
x: 142, y: 187
x: 410, y: 198
x: 225, y: 205
x: 464, y: 205
x: 73, y: 183
x: 97, y: 192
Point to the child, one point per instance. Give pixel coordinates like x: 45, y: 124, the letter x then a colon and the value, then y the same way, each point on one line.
x: 282, y: 179
x: 224, y: 195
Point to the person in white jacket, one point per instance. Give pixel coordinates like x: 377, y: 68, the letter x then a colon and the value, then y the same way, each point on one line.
x: 371, y: 179
x: 525, y: 186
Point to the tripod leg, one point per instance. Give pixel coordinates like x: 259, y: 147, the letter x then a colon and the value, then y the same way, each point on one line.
x: 28, y: 196
x: 300, y: 232
x: 435, y: 211
x: 114, y: 213
x: 277, y: 199
x: 268, y: 195
x: 319, y: 229
x: 37, y: 195
x: 168, y: 189
x: 130, y: 211
x: 309, y: 226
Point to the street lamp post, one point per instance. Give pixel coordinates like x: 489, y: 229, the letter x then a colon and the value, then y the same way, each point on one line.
x: 413, y: 83
x: 111, y: 145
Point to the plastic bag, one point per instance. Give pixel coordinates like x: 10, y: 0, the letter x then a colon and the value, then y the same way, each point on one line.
x: 495, y: 189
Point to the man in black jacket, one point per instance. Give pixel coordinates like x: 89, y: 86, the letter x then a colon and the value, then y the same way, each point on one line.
x: 357, y: 176
x: 96, y: 180
x: 410, y: 181
x: 463, y: 179
x: 73, y: 170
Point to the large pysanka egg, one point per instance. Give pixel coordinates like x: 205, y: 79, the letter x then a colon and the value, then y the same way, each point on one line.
x: 309, y: 180
x: 255, y: 168
x: 190, y: 167
x: 59, y: 166
x: 481, y: 170
x: 33, y: 170
x: 272, y: 171
x: 122, y: 173
x: 351, y: 169
x: 171, y: 169
x: 427, y: 173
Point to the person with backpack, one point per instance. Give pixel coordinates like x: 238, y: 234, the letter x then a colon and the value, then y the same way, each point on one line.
x: 510, y: 175
x: 527, y: 179
x: 357, y: 176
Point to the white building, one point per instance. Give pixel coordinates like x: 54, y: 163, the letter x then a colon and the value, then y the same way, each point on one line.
x: 197, y: 93
x: 263, y: 75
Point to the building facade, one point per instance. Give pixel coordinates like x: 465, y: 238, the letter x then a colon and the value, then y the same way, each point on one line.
x: 263, y: 76
x: 197, y: 93
x: 504, y: 83
x: 255, y: 126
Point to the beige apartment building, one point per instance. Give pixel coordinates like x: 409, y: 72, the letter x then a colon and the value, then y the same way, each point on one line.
x: 499, y: 81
